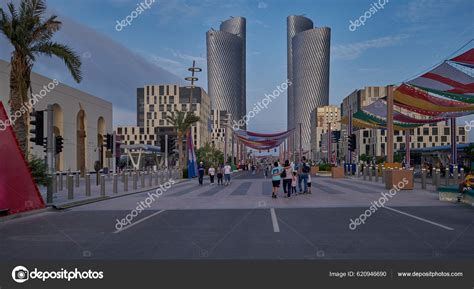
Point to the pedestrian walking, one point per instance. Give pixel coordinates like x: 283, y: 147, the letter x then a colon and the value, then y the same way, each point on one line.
x: 201, y: 173
x: 287, y: 175
x: 211, y: 172
x: 227, y: 171
x: 309, y: 183
x: 294, y: 181
x: 303, y: 171
x: 276, y: 179
x: 220, y: 174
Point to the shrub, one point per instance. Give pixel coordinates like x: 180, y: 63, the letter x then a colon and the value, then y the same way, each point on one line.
x: 39, y: 171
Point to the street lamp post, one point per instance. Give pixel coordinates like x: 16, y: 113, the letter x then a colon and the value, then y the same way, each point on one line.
x: 191, y: 79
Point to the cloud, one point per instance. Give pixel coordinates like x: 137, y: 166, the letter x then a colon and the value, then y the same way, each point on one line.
x: 262, y: 5
x: 111, y: 71
x: 355, y: 50
x: 427, y: 10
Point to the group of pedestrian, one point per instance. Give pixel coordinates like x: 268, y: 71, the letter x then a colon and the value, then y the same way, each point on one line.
x: 293, y: 176
x: 223, y: 173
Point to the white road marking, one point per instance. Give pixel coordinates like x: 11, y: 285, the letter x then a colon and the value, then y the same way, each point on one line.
x: 139, y: 221
x: 276, y: 228
x: 418, y: 218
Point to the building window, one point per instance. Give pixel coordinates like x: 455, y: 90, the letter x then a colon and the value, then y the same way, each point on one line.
x: 171, y: 99
x: 119, y: 130
x: 446, y: 131
x: 444, y: 138
x: 153, y: 90
x: 426, y: 131
x: 162, y: 107
x: 162, y: 90
x: 147, y: 90
x: 167, y: 90
x: 162, y: 122
x: 152, y: 107
x: 434, y: 130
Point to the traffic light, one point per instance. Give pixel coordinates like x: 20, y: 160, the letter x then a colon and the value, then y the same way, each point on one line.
x: 37, y: 120
x: 45, y: 144
x: 172, y: 145
x: 352, y: 142
x: 59, y: 141
x: 109, y: 142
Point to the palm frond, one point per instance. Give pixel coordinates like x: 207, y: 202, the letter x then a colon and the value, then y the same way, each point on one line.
x: 71, y: 59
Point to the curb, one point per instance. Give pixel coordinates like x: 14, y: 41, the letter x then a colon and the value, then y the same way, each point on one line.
x: 64, y: 206
x: 25, y: 214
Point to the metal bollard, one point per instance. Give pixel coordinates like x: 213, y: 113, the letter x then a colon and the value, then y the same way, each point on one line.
x: 70, y: 187
x: 455, y: 175
x: 102, y: 185
x: 370, y: 173
x: 446, y: 177
x: 125, y: 183
x: 135, y: 180
x: 76, y: 175
x: 365, y: 173
x: 88, y: 185
x: 376, y: 174
x: 60, y: 181
x: 438, y: 178
x: 150, y: 180
x: 462, y: 174
x: 142, y: 180
x: 115, y: 184
x: 423, y: 179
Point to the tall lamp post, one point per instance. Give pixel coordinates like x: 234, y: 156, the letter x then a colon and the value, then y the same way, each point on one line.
x: 191, y: 79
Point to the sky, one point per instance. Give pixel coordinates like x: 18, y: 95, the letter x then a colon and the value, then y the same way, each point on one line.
x: 396, y: 43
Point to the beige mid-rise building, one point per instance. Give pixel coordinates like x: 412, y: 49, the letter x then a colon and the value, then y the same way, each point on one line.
x: 155, y: 103
x: 321, y: 118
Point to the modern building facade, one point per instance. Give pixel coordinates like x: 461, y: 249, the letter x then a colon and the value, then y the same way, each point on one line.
x: 82, y: 119
x: 309, y: 52
x: 155, y: 103
x: 221, y: 130
x: 321, y: 118
x: 226, y: 58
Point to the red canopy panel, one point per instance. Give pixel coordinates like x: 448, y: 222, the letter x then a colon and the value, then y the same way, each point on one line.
x: 467, y: 58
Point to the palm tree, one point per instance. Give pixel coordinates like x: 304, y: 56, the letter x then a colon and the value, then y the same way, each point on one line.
x: 182, y: 121
x: 30, y: 35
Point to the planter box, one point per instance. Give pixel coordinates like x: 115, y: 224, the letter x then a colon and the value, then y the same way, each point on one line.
x: 337, y: 172
x: 314, y: 170
x: 395, y: 177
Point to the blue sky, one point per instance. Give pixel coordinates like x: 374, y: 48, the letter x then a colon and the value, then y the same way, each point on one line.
x: 395, y: 44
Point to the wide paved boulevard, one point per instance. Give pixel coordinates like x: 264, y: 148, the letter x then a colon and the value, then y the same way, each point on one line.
x: 242, y: 221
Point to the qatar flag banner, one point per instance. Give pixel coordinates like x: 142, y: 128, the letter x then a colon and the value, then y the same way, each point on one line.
x: 18, y: 191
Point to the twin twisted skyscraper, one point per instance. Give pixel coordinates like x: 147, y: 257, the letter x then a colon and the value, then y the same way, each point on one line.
x: 308, y: 71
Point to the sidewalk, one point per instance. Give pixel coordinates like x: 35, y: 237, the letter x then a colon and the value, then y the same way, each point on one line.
x: 144, y: 182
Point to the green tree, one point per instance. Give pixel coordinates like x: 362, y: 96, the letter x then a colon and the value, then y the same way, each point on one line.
x: 31, y: 36
x: 209, y: 155
x: 182, y: 121
x: 469, y: 151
